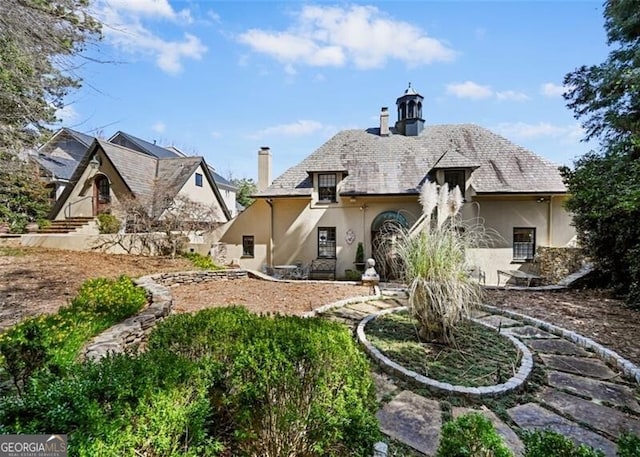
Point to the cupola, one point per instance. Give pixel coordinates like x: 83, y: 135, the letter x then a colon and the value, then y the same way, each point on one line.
x: 410, y: 122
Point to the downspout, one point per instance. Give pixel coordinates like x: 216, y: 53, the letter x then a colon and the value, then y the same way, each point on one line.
x: 550, y: 222
x: 270, y: 247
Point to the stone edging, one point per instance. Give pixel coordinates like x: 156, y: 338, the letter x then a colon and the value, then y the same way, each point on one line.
x: 515, y: 382
x: 134, y: 330
x: 612, y: 357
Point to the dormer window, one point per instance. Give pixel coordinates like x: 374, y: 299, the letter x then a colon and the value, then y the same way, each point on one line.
x: 327, y: 187
x: 455, y: 178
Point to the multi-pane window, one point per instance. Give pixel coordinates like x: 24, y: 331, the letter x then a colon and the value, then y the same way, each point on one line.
x: 104, y: 191
x: 198, y: 180
x: 455, y: 178
x: 327, y: 242
x: 327, y: 187
x: 247, y: 246
x: 524, y: 243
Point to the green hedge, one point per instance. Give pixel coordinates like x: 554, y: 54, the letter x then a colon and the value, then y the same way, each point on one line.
x: 220, y: 382
x: 471, y: 435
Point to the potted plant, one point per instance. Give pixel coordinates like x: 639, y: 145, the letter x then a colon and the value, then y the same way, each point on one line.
x: 359, y: 262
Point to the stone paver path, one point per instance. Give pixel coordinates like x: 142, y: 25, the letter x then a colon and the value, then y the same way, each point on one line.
x: 582, y: 397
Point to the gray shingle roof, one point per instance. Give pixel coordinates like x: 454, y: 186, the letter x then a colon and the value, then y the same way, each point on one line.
x: 143, y: 146
x: 57, y: 166
x: 137, y: 169
x: 398, y: 164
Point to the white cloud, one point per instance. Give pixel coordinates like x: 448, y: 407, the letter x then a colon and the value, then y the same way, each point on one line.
x: 324, y: 36
x: 475, y: 91
x: 67, y: 114
x: 469, y: 89
x: 216, y: 134
x: 523, y: 130
x: 123, y: 27
x: 512, y: 95
x: 159, y: 127
x: 297, y: 128
x: 552, y: 90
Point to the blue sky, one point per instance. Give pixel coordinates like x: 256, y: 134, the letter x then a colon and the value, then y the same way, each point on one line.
x: 221, y: 79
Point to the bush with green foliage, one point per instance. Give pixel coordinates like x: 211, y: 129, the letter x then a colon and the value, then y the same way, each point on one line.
x: 471, y: 435
x: 292, y: 386
x: 220, y: 382
x: 628, y: 445
x: 546, y: 443
x: 23, y: 195
x: 604, y: 186
x: 200, y: 261
x: 108, y: 223
x: 52, y: 341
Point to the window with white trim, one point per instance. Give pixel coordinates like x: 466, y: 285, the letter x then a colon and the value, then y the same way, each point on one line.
x: 198, y: 180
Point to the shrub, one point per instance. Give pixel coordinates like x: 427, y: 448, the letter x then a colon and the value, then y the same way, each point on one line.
x: 53, y: 341
x: 628, y: 445
x: 352, y: 275
x: 546, y: 443
x: 108, y: 223
x: 201, y: 261
x: 286, y: 386
x: 471, y: 435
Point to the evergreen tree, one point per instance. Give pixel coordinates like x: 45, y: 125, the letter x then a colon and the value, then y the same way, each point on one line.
x: 605, y: 185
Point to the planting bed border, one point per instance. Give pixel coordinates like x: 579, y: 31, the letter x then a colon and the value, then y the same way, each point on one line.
x: 628, y: 368
x: 133, y: 331
x: 514, y: 383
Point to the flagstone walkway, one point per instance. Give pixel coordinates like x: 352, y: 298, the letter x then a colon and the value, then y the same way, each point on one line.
x: 582, y: 397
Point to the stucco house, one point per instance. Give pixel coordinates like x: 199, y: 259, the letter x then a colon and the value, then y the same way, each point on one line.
x: 110, y: 173
x: 59, y: 157
x: 343, y: 193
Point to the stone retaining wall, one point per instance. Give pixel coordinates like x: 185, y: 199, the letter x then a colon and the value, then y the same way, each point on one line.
x: 133, y: 331
x: 555, y: 264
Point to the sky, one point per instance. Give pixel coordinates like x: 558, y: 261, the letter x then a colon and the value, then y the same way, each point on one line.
x: 222, y: 79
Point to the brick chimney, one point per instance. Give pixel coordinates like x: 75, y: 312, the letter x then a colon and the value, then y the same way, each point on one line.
x: 384, y: 121
x: 264, y: 168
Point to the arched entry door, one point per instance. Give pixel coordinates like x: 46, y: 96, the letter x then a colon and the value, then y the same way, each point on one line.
x: 384, y: 234
x: 101, y: 194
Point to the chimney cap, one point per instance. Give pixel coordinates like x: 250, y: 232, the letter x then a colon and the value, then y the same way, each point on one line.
x: 264, y: 148
x: 384, y: 108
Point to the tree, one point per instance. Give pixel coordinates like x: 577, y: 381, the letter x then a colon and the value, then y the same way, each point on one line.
x: 605, y: 185
x: 37, y: 40
x: 23, y: 196
x: 246, y: 188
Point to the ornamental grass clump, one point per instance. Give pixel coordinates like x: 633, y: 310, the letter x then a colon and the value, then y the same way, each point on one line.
x: 433, y: 263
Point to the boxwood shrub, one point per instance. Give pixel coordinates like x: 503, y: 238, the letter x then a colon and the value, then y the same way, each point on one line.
x: 219, y: 382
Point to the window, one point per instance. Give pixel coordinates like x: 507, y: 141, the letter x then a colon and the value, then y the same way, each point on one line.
x: 327, y: 242
x: 524, y: 243
x: 104, y: 191
x: 198, y: 180
x: 327, y: 188
x: 455, y: 178
x: 247, y: 246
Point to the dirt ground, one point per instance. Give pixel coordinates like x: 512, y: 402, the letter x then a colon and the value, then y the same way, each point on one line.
x: 35, y: 281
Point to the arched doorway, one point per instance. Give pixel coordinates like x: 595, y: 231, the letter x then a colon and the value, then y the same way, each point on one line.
x: 101, y: 194
x: 385, y: 229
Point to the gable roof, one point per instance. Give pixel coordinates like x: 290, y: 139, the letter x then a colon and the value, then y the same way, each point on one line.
x: 59, y: 167
x: 140, y: 145
x: 398, y: 164
x: 140, y: 172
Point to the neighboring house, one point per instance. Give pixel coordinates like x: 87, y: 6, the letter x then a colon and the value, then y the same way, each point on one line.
x: 58, y: 158
x: 109, y: 173
x: 345, y: 192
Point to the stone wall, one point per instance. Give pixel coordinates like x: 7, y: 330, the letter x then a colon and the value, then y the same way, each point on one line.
x: 556, y: 263
x: 132, y: 332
